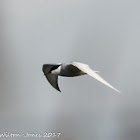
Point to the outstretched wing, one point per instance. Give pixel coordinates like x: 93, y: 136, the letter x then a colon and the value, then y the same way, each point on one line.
x: 52, y: 79
x: 85, y: 68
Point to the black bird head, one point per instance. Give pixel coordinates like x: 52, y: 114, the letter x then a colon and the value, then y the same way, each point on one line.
x: 51, y: 68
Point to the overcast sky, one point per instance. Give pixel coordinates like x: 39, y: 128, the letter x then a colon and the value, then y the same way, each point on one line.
x: 102, y: 33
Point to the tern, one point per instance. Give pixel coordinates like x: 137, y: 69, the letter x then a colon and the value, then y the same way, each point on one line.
x: 52, y: 71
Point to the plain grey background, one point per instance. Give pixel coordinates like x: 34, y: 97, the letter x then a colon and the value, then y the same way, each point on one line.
x: 102, y: 33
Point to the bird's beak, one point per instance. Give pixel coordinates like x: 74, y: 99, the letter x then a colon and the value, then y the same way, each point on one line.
x: 46, y: 73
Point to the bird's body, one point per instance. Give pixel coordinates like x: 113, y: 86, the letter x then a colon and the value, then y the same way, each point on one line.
x: 51, y: 71
x: 69, y: 70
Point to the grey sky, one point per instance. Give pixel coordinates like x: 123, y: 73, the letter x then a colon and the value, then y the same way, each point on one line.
x: 103, y: 34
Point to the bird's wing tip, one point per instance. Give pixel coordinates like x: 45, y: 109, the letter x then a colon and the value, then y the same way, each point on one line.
x: 117, y: 90
x: 58, y: 89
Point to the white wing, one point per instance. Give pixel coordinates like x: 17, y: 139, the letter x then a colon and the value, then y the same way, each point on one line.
x: 85, y: 68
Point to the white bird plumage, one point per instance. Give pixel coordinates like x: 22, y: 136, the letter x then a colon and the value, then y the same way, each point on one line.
x: 85, y: 68
x: 51, y: 71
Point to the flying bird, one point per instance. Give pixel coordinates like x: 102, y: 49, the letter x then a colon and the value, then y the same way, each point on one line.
x: 52, y: 71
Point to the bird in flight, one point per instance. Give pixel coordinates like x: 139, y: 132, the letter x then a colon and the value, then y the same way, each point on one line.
x: 52, y: 71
